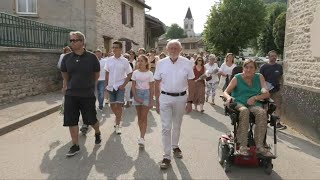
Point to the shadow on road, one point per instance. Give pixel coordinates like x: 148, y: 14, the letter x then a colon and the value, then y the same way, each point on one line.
x: 128, y: 116
x: 238, y: 172
x: 103, y: 115
x: 146, y: 167
x: 210, y: 121
x: 60, y: 166
x: 113, y: 160
x: 218, y: 109
x: 151, y: 123
x: 183, y: 169
x: 304, y: 146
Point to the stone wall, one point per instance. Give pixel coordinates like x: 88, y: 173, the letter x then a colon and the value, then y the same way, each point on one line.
x: 109, y: 22
x: 27, y: 72
x: 301, y: 90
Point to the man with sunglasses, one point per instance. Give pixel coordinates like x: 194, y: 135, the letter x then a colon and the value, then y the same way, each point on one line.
x: 118, y: 74
x: 80, y: 70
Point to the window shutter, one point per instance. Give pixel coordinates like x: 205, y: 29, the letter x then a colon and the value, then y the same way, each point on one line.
x: 131, y: 16
x: 123, y: 13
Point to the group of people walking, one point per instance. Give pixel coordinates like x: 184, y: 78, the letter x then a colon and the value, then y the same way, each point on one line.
x: 172, y: 81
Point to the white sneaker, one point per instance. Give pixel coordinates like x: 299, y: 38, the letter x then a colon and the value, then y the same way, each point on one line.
x: 118, y: 129
x: 141, y: 142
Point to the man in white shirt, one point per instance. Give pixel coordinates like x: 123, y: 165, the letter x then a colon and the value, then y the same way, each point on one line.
x: 118, y: 74
x: 175, y: 75
x: 212, y: 70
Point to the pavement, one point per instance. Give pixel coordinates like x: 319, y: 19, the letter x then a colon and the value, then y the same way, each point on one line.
x: 37, y: 150
x: 27, y: 110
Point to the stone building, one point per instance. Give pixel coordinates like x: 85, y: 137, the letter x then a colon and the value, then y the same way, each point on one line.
x: 154, y: 29
x: 102, y: 21
x: 301, y: 95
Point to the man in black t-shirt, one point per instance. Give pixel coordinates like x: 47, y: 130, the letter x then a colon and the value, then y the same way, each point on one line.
x: 272, y: 73
x: 80, y: 70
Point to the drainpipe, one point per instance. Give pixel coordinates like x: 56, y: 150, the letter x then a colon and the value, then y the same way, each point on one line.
x: 85, y: 18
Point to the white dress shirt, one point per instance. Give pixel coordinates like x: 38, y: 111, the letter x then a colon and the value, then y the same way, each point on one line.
x: 118, y: 69
x: 174, y: 76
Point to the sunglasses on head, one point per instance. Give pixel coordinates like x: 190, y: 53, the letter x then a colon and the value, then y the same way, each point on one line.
x: 75, y: 40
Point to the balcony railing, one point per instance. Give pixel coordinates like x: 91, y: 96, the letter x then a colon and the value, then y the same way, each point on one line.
x: 21, y: 32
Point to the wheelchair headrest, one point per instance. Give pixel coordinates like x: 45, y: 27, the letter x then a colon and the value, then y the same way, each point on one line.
x: 236, y: 70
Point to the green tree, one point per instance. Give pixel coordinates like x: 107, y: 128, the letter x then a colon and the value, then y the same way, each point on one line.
x: 231, y: 25
x: 279, y: 28
x: 266, y: 39
x: 175, y: 32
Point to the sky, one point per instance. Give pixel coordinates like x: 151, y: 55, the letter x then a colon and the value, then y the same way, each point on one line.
x: 174, y: 11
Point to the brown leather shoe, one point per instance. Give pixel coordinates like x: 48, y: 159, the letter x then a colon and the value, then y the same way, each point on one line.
x: 165, y: 163
x: 177, y: 153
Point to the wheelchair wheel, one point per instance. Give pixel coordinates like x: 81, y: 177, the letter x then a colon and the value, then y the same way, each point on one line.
x: 268, y: 168
x: 226, y: 166
x: 222, y: 152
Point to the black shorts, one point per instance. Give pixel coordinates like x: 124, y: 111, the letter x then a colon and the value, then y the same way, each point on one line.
x: 73, y: 105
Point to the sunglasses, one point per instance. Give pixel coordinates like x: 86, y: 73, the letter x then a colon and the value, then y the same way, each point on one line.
x: 115, y: 47
x: 75, y: 40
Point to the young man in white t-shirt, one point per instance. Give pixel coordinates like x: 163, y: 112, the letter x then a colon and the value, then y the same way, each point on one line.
x: 212, y: 70
x: 118, y: 74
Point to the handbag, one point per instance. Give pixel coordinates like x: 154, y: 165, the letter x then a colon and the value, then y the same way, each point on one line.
x: 209, y: 78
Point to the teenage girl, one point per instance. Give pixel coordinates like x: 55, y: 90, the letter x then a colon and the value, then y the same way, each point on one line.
x: 143, y: 91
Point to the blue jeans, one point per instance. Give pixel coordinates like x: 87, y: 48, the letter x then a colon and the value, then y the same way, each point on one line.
x: 100, y: 90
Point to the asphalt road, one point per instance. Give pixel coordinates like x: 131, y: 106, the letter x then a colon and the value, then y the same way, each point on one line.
x: 37, y: 151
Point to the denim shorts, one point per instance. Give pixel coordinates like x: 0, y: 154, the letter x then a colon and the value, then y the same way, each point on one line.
x: 143, y: 94
x: 116, y: 96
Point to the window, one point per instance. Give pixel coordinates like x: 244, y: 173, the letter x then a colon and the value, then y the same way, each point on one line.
x: 127, y: 14
x: 193, y: 46
x: 26, y: 6
x: 128, y: 46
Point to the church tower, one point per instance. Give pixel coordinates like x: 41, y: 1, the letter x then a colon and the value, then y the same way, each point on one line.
x: 188, y: 24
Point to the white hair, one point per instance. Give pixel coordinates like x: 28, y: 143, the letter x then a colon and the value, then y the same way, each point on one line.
x: 212, y: 56
x: 174, y: 41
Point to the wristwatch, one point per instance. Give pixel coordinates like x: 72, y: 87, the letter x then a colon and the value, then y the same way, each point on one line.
x: 190, y: 102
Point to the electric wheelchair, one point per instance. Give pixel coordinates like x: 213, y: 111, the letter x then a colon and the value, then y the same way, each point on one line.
x: 228, y: 145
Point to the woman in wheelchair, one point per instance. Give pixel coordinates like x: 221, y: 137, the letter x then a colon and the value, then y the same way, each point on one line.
x: 246, y: 89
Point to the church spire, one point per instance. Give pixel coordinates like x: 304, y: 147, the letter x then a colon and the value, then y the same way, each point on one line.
x: 188, y: 15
